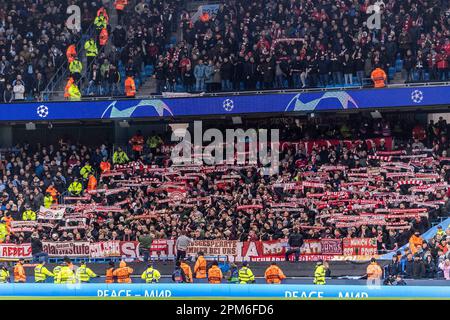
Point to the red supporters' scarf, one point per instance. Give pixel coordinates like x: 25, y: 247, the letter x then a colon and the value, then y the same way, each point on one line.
x: 249, y: 207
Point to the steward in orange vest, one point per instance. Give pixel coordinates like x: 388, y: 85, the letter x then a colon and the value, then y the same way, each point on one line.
x: 105, y: 166
x: 92, y: 183
x: 19, y: 272
x: 130, y: 87
x: 215, y: 275
x: 200, y: 266
x: 120, y: 4
x: 69, y: 83
x: 379, y: 78
x: 109, y: 273
x: 204, y: 17
x: 102, y: 10
x: 274, y: 274
x: 53, y: 192
x: 103, y: 38
x: 71, y: 53
x: 123, y: 273
x: 187, y: 271
x: 374, y: 270
x: 137, y: 142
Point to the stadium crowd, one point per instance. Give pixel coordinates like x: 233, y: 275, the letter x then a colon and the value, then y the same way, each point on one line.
x: 326, y: 190
x: 243, y: 45
x: 240, y: 47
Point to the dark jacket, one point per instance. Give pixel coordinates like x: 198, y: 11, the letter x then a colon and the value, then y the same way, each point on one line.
x: 36, y: 246
x: 408, y: 272
x: 418, y: 269
x: 295, y: 239
x: 394, y: 269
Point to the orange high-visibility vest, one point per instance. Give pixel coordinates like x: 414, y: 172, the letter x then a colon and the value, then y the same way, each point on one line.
x: 71, y: 53
x: 215, y: 275
x: 66, y: 89
x: 92, y: 183
x: 200, y: 268
x: 120, y: 4
x: 105, y: 166
x: 379, y: 78
x: 374, y: 271
x: 187, y: 271
x: 105, y: 14
x: 123, y: 274
x: 53, y: 192
x: 109, y: 276
x: 137, y: 143
x: 103, y: 38
x: 274, y: 274
x: 130, y: 87
x: 19, y: 273
x: 204, y: 17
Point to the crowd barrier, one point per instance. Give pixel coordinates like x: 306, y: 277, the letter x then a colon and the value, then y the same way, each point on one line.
x: 165, y: 291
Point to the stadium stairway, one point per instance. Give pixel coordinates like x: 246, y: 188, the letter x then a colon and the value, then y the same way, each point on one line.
x: 426, y: 236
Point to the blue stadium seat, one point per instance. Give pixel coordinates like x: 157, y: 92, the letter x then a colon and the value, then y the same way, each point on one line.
x: 391, y: 73
x: 399, y: 65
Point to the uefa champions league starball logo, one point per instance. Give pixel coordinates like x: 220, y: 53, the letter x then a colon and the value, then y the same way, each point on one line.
x: 417, y: 96
x: 228, y: 104
x: 42, y: 111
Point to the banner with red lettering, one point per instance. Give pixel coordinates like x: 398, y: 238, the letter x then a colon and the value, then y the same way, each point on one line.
x: 15, y: 251
x: 105, y: 249
x: 359, y: 246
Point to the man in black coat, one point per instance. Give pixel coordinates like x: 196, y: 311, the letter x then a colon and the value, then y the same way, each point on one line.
x: 418, y: 267
x: 37, y: 250
x: 295, y: 242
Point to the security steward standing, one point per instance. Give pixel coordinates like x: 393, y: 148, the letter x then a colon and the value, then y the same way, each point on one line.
x: 48, y: 200
x: 73, y: 92
x: 120, y: 157
x: 28, y: 214
x: 84, y: 274
x: 75, y: 68
x: 75, y: 187
x: 130, y: 87
x: 41, y: 273
x: 215, y: 275
x: 187, y: 271
x: 91, y: 51
x: 374, y: 271
x: 319, y: 273
x: 109, y: 273
x: 274, y: 274
x: 66, y: 274
x: 4, y: 274
x: 19, y: 272
x: 245, y: 274
x: 123, y: 273
x: 151, y: 275
x: 56, y: 271
x: 86, y: 170
x: 200, y: 266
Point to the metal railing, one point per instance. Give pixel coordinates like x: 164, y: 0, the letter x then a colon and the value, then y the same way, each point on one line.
x: 258, y: 92
x: 62, y: 72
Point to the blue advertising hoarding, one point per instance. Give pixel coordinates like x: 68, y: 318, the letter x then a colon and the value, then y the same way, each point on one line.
x: 222, y: 291
x: 228, y: 105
